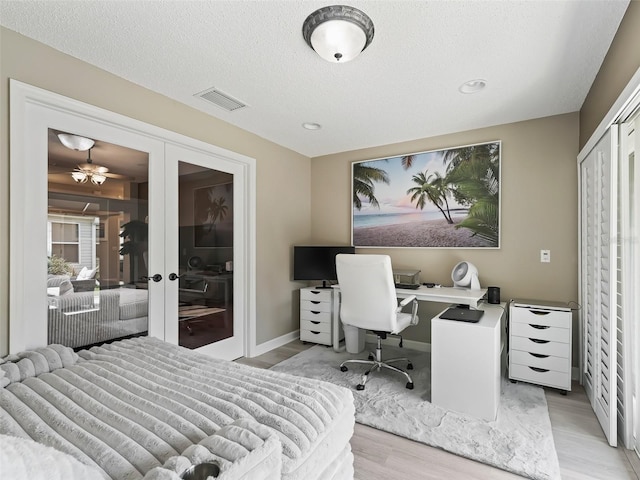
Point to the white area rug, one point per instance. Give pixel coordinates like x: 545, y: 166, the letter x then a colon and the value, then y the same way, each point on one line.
x: 519, y: 440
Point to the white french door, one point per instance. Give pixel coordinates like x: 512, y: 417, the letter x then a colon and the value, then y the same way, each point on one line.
x: 32, y: 308
x: 35, y: 114
x: 204, y: 238
x: 598, y: 184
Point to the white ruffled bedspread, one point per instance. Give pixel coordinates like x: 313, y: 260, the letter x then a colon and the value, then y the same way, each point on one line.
x: 143, y: 408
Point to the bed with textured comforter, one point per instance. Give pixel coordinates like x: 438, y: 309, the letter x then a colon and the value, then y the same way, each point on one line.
x: 143, y: 408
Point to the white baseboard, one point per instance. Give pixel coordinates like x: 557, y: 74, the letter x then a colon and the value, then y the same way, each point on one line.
x: 275, y: 343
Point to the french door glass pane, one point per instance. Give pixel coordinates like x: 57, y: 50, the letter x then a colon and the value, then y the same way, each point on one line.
x: 205, y: 310
x: 97, y: 242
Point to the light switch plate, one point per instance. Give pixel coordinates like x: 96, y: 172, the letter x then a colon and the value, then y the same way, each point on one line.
x: 545, y: 256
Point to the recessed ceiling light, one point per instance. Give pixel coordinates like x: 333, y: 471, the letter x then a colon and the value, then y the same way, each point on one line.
x: 311, y: 126
x: 473, y: 86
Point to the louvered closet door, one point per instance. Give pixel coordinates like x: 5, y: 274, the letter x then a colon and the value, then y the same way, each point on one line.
x: 628, y: 305
x: 598, y: 174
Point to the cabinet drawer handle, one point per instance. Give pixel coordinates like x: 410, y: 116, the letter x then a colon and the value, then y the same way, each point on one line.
x: 315, y: 292
x: 539, y: 327
x: 538, y: 355
x: 541, y: 370
x: 315, y: 322
x: 315, y: 302
x: 314, y: 312
x: 537, y: 340
x: 315, y: 333
x: 539, y: 312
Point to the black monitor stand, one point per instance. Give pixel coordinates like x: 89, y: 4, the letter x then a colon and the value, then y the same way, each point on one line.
x: 325, y: 284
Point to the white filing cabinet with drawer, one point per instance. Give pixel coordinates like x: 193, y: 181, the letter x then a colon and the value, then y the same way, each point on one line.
x: 540, y: 343
x: 466, y: 363
x: 316, y: 315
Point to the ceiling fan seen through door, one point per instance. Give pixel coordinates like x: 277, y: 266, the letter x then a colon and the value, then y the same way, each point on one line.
x: 84, y: 172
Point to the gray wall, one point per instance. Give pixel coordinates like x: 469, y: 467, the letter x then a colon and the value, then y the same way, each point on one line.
x: 620, y: 64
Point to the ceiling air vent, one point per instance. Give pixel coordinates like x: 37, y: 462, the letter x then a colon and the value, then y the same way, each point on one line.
x: 221, y: 99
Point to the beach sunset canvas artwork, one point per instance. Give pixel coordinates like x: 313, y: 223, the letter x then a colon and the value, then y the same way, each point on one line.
x: 447, y: 198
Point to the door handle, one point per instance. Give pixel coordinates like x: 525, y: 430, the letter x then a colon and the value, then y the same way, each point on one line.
x: 173, y: 276
x: 156, y: 278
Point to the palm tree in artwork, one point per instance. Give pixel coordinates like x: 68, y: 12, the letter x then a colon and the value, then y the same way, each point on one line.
x: 432, y: 188
x: 217, y: 210
x: 484, y: 213
x: 473, y: 174
x: 136, y: 236
x: 407, y: 161
x: 364, y: 177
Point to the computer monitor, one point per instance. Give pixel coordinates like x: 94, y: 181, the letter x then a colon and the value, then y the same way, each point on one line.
x: 317, y: 262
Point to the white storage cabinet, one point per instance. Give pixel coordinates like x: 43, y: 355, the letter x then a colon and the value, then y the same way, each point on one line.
x: 540, y: 343
x: 466, y: 363
x: 316, y: 315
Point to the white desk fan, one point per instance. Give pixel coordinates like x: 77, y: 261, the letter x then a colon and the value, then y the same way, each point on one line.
x: 465, y: 275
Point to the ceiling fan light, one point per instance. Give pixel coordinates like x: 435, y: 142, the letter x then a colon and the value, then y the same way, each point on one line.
x: 79, y: 177
x: 98, y: 179
x: 75, y: 142
x: 338, y: 33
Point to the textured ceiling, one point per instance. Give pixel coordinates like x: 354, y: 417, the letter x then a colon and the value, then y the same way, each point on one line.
x: 539, y: 58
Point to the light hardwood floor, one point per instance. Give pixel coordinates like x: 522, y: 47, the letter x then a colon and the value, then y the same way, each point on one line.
x: 582, y: 449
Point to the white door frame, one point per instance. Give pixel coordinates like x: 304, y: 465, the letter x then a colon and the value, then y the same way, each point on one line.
x: 32, y: 107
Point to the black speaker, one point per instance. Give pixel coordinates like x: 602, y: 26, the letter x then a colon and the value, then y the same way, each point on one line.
x: 493, y: 294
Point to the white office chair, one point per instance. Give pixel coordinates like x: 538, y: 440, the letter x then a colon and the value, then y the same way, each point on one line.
x: 369, y: 302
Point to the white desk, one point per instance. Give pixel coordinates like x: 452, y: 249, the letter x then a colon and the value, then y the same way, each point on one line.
x: 466, y: 363
x: 461, y: 296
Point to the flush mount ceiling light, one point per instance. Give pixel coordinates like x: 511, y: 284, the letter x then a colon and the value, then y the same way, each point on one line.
x: 75, y: 142
x: 311, y: 126
x: 473, y: 86
x: 338, y: 33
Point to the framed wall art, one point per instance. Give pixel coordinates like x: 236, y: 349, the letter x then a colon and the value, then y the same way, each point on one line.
x: 447, y: 198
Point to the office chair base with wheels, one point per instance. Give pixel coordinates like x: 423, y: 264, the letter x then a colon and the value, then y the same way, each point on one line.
x: 377, y: 364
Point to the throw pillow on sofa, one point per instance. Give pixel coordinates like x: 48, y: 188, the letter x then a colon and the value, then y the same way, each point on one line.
x: 86, y: 274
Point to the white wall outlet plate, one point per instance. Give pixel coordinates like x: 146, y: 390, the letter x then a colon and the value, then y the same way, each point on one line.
x: 545, y: 256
